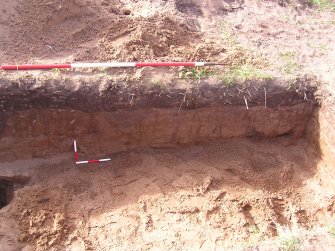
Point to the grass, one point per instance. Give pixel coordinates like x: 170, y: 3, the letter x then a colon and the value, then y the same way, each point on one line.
x: 290, y: 64
x: 155, y: 82
x: 331, y: 229
x: 226, y: 32
x: 322, y: 49
x: 255, y: 237
x: 243, y: 73
x: 158, y: 83
x: 294, y: 238
x: 242, y: 64
x: 289, y: 238
x: 56, y: 71
x: 102, y: 72
x: 197, y: 73
x: 323, y: 4
x: 22, y: 77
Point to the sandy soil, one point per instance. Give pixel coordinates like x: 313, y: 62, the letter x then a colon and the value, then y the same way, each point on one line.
x: 284, y: 38
x: 235, y: 194
x: 207, y: 197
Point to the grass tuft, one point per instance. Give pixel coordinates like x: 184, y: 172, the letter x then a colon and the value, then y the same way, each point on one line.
x: 243, y: 73
x: 331, y: 229
x: 56, y: 71
x: 255, y: 237
x: 155, y: 82
x: 290, y: 63
x: 323, y: 4
x: 197, y: 73
x: 289, y: 239
x: 226, y: 32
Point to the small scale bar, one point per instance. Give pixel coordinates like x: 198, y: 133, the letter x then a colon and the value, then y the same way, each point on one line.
x: 85, y: 161
x: 92, y: 161
x: 76, y: 157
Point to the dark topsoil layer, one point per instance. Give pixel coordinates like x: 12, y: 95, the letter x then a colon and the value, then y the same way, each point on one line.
x: 90, y: 95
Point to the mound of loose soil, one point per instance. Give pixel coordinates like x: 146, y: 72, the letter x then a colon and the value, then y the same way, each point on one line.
x: 98, y: 30
x: 108, y: 30
x: 39, y: 29
x: 142, y: 39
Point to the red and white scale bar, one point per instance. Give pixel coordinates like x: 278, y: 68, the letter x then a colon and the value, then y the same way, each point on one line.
x: 101, y: 65
x: 86, y: 161
x: 92, y: 161
x: 76, y: 157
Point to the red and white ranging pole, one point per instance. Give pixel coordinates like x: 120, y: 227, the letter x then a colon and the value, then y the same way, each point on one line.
x: 86, y: 161
x: 102, y: 65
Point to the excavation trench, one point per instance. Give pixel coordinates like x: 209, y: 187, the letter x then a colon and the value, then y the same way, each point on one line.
x: 42, y: 132
x: 197, y: 162
x: 41, y: 121
x: 178, y: 158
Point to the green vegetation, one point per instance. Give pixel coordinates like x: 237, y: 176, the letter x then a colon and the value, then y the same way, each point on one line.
x: 322, y: 49
x: 235, y: 74
x: 102, y: 72
x: 242, y: 64
x: 197, y: 73
x: 56, y: 71
x: 294, y: 238
x: 290, y: 64
x: 155, y: 82
x: 243, y: 73
x: 331, y: 229
x: 226, y: 32
x: 323, y: 4
x: 289, y: 239
x: 22, y: 77
x: 255, y: 237
x: 158, y: 83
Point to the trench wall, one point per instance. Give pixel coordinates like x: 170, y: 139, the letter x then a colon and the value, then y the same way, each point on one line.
x: 41, y: 132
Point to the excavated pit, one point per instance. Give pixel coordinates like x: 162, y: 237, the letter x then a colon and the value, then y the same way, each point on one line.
x: 39, y: 122
x: 183, y: 159
x: 199, y: 162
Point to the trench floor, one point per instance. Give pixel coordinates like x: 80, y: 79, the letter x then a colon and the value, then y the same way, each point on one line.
x: 197, y: 197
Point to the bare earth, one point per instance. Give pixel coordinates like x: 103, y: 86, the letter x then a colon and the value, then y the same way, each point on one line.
x: 288, y: 38
x: 236, y: 194
x: 202, y: 197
